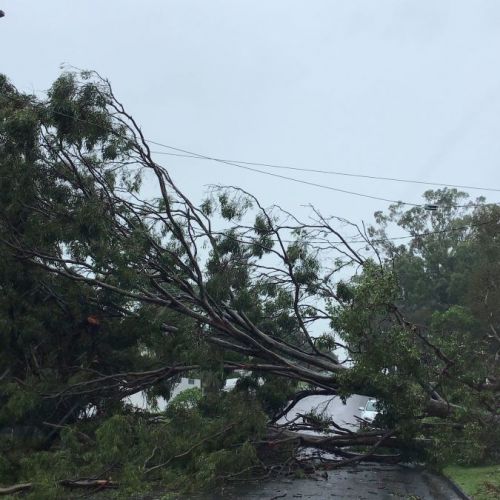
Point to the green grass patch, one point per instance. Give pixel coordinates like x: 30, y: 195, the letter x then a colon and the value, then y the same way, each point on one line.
x: 481, y: 483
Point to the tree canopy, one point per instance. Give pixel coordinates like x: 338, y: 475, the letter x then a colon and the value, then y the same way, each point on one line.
x: 107, y: 292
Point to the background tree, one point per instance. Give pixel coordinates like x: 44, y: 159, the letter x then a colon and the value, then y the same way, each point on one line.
x: 448, y: 281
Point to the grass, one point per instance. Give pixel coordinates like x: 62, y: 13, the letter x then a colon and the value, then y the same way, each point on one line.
x: 481, y: 483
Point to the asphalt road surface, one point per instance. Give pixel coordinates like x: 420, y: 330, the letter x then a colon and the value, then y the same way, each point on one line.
x: 361, y: 482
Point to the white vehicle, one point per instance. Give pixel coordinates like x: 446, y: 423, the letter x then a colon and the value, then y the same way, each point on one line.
x: 368, y: 412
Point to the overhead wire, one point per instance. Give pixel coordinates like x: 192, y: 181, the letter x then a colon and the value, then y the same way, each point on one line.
x: 364, y: 241
x: 300, y: 181
x: 327, y: 172
x: 314, y: 184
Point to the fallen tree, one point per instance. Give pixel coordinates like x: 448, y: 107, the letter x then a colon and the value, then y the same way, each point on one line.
x: 260, y: 290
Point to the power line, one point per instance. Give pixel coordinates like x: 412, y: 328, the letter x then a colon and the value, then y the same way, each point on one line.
x: 314, y: 184
x: 364, y: 241
x: 328, y: 172
x: 279, y: 176
x: 193, y: 155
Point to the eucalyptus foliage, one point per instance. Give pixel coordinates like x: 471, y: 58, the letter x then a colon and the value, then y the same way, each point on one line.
x: 107, y: 292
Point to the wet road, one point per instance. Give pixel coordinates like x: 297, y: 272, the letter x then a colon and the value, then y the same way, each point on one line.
x: 362, y: 482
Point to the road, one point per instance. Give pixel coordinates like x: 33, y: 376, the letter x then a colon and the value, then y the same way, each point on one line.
x: 361, y: 482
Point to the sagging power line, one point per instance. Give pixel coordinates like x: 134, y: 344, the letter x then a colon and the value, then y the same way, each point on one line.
x: 326, y: 172
x: 431, y: 207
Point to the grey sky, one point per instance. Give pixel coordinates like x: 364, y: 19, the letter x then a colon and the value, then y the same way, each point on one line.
x: 393, y: 88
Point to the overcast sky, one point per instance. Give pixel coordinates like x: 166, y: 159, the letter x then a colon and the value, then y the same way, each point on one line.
x: 388, y: 87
